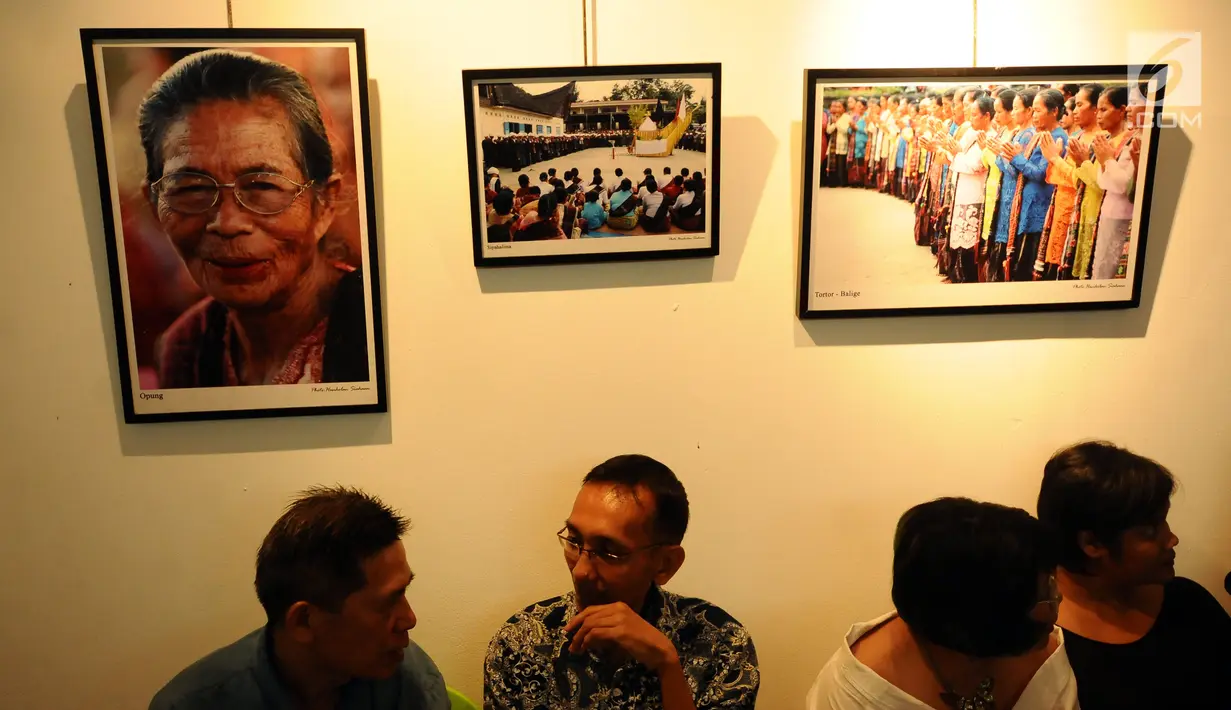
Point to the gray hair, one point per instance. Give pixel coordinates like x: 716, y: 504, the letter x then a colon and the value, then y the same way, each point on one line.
x: 227, y: 75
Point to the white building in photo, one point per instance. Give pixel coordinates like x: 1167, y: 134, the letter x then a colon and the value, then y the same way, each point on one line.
x: 505, y: 109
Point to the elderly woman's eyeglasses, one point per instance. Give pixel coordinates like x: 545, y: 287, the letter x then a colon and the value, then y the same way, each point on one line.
x: 260, y: 192
x: 573, y: 550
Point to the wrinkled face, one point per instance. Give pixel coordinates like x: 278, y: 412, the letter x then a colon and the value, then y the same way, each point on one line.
x: 367, y: 638
x: 609, y: 519
x: 1021, y: 113
x: 1110, y: 118
x: 243, y: 259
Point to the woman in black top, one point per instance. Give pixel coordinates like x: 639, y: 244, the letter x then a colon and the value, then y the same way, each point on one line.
x: 1137, y: 636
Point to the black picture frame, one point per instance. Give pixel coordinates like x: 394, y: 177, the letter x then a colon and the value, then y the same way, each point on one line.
x: 201, y: 402
x: 486, y: 257
x: 814, y: 79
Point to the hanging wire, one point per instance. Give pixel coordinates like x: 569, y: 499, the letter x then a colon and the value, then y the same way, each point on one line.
x: 230, y: 17
x: 594, y: 31
x: 974, y: 35
x: 585, y: 35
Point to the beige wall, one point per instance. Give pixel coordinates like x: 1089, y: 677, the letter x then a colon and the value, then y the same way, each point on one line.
x: 126, y: 552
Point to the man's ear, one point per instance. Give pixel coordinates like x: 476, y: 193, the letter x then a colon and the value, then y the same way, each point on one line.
x: 148, y: 193
x: 298, y: 621
x: 670, y: 559
x: 1094, y: 550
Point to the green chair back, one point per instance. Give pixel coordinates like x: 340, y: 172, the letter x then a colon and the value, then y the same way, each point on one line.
x: 457, y: 701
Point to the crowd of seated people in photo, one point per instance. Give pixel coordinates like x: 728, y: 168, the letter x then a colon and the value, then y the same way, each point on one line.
x: 517, y: 150
x: 568, y: 207
x: 992, y: 609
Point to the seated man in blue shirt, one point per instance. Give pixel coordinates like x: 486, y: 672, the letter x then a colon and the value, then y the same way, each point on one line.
x: 618, y: 641
x: 332, y: 576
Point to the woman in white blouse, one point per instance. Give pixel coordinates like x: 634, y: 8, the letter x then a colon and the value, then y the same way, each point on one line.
x: 974, y: 629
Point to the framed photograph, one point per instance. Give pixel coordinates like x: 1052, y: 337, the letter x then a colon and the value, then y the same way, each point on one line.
x: 945, y: 191
x: 235, y: 172
x: 578, y: 164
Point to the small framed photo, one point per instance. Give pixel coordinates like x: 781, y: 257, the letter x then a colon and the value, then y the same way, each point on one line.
x: 581, y: 164
x: 976, y: 190
x: 235, y: 172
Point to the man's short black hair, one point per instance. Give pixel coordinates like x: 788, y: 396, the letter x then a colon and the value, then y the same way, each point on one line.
x: 1100, y: 488
x: 503, y: 202
x: 966, y: 575
x: 315, y: 551
x: 633, y: 471
x: 551, y: 172
x: 523, y: 180
x: 542, y: 177
x: 535, y: 190
x: 619, y: 172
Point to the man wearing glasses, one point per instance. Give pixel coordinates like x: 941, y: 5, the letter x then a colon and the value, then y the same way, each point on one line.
x: 619, y: 641
x: 240, y: 174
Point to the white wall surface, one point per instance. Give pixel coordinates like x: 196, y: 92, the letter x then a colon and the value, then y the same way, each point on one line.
x: 127, y: 552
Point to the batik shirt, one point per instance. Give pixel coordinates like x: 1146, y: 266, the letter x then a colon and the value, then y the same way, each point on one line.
x: 529, y: 666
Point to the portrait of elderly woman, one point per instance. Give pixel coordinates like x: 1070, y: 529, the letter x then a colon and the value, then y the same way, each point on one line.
x: 239, y: 173
x: 240, y: 216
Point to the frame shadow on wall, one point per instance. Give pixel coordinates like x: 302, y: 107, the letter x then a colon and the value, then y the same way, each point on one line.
x: 748, y: 149
x: 222, y: 436
x: 1175, y: 150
